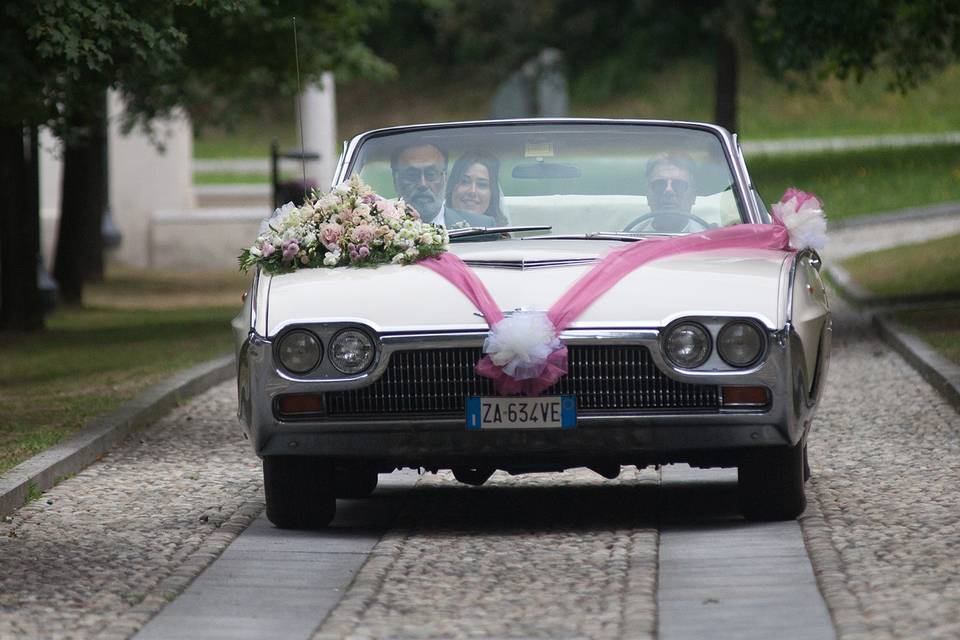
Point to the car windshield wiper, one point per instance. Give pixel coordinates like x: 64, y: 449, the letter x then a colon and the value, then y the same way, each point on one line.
x: 595, y: 235
x: 469, y: 232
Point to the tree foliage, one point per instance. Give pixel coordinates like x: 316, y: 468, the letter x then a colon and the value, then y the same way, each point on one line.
x: 60, y: 55
x: 58, y: 58
x: 908, y: 38
x: 240, y: 53
x: 608, y: 45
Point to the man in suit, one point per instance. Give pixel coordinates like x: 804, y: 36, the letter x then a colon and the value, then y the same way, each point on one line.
x: 420, y: 178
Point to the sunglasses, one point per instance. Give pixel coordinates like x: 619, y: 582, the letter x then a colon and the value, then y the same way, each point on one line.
x: 413, y: 175
x: 659, y: 186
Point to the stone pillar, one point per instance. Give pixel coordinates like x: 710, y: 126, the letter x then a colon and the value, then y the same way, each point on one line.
x: 144, y: 179
x: 51, y: 177
x: 318, y: 113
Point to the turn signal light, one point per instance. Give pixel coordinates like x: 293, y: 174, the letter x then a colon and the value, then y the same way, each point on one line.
x: 745, y: 396
x: 300, y: 403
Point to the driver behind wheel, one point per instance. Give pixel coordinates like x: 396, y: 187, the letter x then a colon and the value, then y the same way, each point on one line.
x: 671, y: 191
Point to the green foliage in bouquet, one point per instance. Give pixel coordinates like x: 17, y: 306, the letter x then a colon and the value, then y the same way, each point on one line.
x: 350, y: 226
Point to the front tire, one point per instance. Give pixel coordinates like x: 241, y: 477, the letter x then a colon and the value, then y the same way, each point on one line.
x: 771, y: 483
x: 299, y: 491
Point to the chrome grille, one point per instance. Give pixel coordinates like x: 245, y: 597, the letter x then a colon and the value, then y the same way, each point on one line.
x: 604, y: 378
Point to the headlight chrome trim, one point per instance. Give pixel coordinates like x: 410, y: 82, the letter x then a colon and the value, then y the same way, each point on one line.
x: 369, y: 359
x: 761, y: 338
x: 669, y: 332
x: 292, y: 334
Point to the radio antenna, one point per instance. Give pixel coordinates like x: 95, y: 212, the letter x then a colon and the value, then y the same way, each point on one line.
x: 303, y: 157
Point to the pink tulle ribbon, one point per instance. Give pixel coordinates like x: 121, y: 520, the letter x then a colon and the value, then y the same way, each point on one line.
x: 593, y: 284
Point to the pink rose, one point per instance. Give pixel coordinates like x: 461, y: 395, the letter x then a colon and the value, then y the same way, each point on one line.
x: 363, y: 233
x: 330, y: 234
x: 267, y: 249
x: 388, y: 209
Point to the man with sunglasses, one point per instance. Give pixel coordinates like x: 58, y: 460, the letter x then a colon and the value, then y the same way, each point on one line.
x: 420, y: 178
x: 671, y: 192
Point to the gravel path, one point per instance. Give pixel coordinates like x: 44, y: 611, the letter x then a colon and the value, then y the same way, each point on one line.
x: 539, y: 556
x: 99, y: 554
x: 102, y: 552
x: 883, y: 527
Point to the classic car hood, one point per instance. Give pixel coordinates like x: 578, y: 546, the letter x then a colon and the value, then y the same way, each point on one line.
x: 530, y: 274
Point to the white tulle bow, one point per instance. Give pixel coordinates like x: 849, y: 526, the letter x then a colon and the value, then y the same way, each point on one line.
x: 802, y: 215
x: 521, y: 343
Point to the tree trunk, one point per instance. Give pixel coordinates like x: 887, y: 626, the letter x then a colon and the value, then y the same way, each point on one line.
x: 82, y: 199
x: 725, y: 106
x: 94, y: 258
x: 20, y: 305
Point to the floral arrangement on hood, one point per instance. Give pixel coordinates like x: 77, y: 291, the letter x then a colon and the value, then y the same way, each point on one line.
x: 350, y: 226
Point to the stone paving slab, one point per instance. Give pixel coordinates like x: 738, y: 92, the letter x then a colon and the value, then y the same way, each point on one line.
x: 285, y: 581
x: 726, y: 578
x: 541, y: 556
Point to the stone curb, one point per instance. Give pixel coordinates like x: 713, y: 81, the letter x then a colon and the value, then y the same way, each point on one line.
x: 942, y: 374
x: 66, y: 458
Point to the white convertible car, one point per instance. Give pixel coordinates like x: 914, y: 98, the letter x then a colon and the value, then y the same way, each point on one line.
x: 708, y: 355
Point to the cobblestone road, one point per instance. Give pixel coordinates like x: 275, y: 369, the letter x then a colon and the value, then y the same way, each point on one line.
x: 541, y: 556
x: 883, y: 525
x: 103, y: 551
x: 557, y: 556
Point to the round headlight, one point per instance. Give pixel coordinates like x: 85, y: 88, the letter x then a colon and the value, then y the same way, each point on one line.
x: 351, y: 351
x: 687, y: 345
x: 739, y: 343
x: 299, y: 351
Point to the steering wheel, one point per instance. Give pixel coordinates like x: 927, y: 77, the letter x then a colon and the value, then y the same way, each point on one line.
x: 649, y: 217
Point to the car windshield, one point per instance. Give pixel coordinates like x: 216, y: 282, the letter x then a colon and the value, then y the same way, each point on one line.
x: 573, y: 179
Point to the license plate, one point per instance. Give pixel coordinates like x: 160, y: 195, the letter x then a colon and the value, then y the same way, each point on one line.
x: 550, y: 412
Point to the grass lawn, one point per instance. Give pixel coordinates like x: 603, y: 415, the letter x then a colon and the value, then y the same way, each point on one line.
x: 225, y: 177
x: 925, y: 268
x: 136, y: 328
x: 855, y: 183
x: 684, y: 91
x: 918, y: 269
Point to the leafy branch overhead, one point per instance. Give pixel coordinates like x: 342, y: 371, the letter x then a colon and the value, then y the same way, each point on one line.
x: 210, y: 57
x: 908, y: 38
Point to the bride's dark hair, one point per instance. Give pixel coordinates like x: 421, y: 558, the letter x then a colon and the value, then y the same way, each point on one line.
x: 467, y: 160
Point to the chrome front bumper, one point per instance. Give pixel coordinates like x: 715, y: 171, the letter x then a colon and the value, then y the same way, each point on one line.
x: 648, y: 437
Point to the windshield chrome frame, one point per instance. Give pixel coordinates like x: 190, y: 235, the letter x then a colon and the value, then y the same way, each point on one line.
x: 733, y: 156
